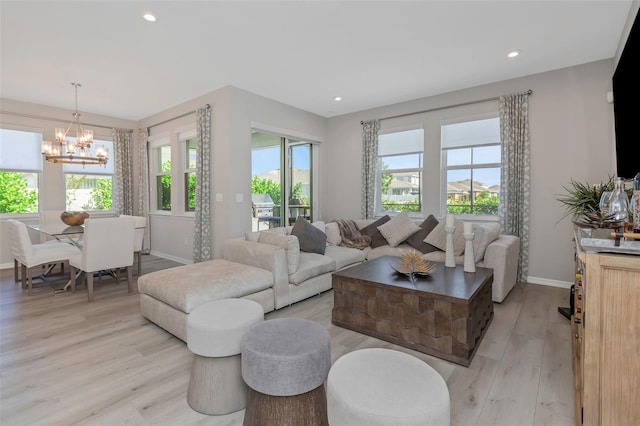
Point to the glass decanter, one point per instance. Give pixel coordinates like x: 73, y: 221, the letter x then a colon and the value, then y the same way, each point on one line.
x: 619, y: 202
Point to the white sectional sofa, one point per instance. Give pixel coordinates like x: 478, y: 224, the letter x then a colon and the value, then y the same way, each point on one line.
x: 270, y: 268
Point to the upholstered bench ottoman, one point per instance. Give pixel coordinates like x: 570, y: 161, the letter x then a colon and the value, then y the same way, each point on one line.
x: 168, y: 296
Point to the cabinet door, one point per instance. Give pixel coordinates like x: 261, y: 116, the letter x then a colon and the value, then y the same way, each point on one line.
x: 612, y: 340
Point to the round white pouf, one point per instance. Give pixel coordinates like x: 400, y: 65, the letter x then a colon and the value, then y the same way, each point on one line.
x: 385, y: 387
x: 214, y: 333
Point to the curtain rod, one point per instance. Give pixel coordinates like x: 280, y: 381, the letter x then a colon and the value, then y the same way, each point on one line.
x: 528, y: 92
x: 40, y: 117
x: 174, y: 118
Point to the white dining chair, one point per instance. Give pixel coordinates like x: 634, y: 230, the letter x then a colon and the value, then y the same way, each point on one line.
x: 28, y: 255
x: 138, y: 238
x: 108, y: 244
x: 49, y: 217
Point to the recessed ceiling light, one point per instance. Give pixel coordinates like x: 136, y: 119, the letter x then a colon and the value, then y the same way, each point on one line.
x: 149, y: 16
x: 337, y: 98
x: 513, y: 54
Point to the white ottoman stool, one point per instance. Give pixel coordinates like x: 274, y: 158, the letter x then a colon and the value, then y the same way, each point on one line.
x: 385, y: 387
x: 214, y: 333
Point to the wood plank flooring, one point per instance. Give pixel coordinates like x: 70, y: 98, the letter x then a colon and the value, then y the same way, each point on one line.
x: 64, y: 361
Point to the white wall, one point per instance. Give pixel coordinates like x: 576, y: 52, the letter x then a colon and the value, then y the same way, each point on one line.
x: 233, y: 112
x: 571, y: 131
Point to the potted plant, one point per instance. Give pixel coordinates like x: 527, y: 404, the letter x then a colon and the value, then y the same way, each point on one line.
x: 582, y: 203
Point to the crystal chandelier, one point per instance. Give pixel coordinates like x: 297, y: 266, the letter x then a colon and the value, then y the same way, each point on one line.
x: 76, y: 151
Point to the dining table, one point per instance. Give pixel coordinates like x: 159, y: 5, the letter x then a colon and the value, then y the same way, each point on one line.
x: 64, y: 233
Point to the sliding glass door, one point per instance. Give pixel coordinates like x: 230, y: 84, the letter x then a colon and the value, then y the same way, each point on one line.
x: 281, y: 180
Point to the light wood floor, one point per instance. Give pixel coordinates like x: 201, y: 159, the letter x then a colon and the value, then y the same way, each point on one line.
x: 65, y: 361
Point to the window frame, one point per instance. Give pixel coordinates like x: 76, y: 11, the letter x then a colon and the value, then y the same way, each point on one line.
x: 378, y: 210
x: 91, y: 170
x: 176, y: 139
x: 39, y: 173
x: 445, y: 168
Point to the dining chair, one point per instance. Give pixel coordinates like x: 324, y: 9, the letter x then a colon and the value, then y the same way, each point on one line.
x: 138, y: 238
x: 108, y: 244
x: 28, y: 255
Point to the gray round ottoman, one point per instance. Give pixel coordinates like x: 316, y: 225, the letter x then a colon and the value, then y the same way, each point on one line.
x: 385, y: 387
x: 285, y: 362
x: 214, y: 334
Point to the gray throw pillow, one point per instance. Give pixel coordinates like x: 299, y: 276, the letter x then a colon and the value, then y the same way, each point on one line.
x: 417, y: 240
x: 312, y: 239
x: 377, y: 239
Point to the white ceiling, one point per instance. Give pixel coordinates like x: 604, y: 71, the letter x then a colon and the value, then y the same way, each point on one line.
x: 302, y: 53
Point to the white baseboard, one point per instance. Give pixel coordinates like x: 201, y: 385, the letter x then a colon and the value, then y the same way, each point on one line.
x: 6, y: 265
x: 550, y: 283
x: 170, y: 257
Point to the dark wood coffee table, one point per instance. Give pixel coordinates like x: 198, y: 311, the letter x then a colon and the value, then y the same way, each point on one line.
x: 445, y: 314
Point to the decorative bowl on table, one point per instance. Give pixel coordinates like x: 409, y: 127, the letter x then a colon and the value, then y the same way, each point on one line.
x: 74, y: 218
x: 412, y: 265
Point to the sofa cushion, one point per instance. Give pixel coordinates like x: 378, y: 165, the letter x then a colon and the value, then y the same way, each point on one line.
x: 417, y: 240
x: 253, y: 236
x: 186, y: 287
x: 438, y: 237
x: 311, y: 265
x: 398, y: 229
x: 345, y: 256
x: 288, y: 242
x: 397, y: 251
x: 311, y: 238
x: 377, y: 239
x: 484, y: 234
x: 333, y: 234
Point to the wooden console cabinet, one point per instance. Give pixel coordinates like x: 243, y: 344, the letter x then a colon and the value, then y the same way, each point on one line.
x: 606, y: 339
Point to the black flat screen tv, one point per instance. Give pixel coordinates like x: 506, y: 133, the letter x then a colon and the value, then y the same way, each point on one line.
x: 626, y: 105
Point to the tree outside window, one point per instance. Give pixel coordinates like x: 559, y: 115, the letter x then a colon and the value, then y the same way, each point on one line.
x: 16, y: 196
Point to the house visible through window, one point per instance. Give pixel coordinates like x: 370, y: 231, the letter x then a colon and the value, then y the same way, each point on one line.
x: 90, y: 187
x: 20, y: 168
x: 471, y: 153
x: 400, y: 162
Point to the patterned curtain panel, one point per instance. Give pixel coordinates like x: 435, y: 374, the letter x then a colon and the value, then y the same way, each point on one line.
x: 143, y: 186
x: 514, y: 182
x: 202, y: 231
x: 123, y: 174
x: 369, y: 165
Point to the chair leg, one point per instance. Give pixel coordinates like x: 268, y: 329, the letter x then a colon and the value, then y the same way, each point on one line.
x: 15, y: 269
x: 23, y: 277
x: 117, y: 275
x: 139, y: 262
x: 73, y: 279
x: 90, y: 285
x: 130, y: 278
x: 30, y: 281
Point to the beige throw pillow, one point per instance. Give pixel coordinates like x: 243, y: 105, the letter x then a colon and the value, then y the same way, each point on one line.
x: 333, y: 234
x: 398, y: 229
x: 438, y: 237
x: 484, y: 234
x: 289, y: 243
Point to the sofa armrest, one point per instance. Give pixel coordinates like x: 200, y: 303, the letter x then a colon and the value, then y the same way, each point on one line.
x: 265, y: 256
x: 502, y: 255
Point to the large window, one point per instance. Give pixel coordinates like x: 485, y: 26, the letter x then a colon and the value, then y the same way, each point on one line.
x: 189, y: 173
x: 20, y: 167
x: 471, y: 152
x: 400, y: 162
x: 90, y: 187
x: 172, y: 172
x: 281, y: 180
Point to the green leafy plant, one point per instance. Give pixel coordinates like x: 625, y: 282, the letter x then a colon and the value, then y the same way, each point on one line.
x: 15, y: 195
x: 583, y: 198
